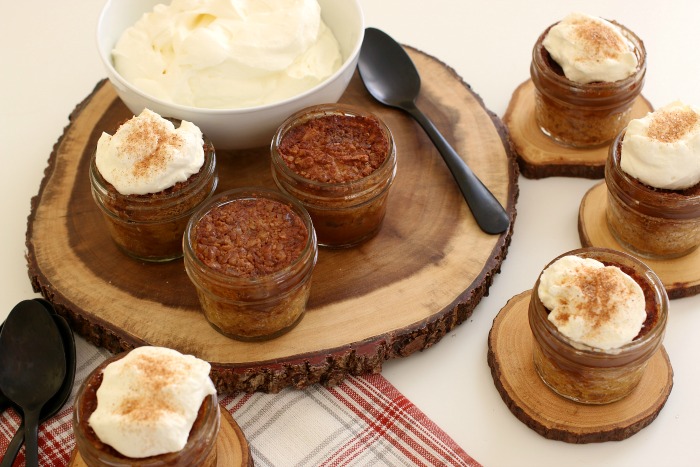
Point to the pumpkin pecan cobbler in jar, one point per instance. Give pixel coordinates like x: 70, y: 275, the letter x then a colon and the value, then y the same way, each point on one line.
x: 652, y: 176
x: 152, y: 406
x: 250, y: 254
x: 597, y: 316
x: 340, y: 163
x: 587, y: 74
x: 147, y: 179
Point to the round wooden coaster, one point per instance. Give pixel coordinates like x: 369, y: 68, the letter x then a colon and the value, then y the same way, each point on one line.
x: 538, y: 155
x: 231, y: 446
x: 680, y: 276
x: 552, y: 416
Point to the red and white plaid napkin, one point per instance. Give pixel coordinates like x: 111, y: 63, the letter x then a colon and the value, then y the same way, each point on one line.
x: 363, y: 421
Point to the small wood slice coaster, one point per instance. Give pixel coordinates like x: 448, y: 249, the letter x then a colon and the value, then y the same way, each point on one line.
x: 680, y: 276
x: 541, y: 157
x: 553, y: 416
x: 231, y: 446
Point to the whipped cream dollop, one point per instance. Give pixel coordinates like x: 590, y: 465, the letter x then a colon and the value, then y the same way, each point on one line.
x: 590, y: 49
x: 591, y: 303
x: 147, y: 154
x: 228, y: 54
x: 662, y: 149
x: 149, y: 400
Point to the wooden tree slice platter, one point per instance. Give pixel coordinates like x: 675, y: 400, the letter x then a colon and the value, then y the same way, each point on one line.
x: 232, y: 449
x: 680, y: 276
x: 553, y: 416
x: 396, y: 294
x: 541, y: 157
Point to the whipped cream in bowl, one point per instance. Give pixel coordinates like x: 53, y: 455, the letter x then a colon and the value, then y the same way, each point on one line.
x: 235, y: 69
x: 235, y: 54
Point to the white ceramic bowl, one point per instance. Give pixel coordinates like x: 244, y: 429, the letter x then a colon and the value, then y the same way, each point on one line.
x: 235, y: 128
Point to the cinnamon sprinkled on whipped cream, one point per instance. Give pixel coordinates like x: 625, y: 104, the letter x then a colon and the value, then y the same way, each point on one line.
x: 597, y: 38
x: 662, y: 149
x: 147, y: 154
x: 149, y: 400
x: 592, y: 304
x: 591, y: 49
x: 672, y: 125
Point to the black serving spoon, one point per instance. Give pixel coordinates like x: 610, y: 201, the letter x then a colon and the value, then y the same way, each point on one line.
x: 391, y: 77
x: 32, y: 365
x: 54, y: 404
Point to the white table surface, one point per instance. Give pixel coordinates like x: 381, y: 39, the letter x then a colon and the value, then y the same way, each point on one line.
x: 49, y: 63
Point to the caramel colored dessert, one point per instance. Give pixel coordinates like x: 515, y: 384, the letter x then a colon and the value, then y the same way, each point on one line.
x: 583, y: 115
x: 594, y: 376
x: 150, y: 226
x: 154, y: 233
x: 200, y: 443
x: 650, y: 222
x: 251, y: 257
x: 335, y: 148
x: 250, y: 237
x: 339, y: 164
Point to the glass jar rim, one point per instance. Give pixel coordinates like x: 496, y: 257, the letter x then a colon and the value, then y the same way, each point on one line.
x: 319, y: 111
x: 254, y: 192
x: 660, y: 296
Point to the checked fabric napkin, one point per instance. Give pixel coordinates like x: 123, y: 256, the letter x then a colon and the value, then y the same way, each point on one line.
x: 365, y: 421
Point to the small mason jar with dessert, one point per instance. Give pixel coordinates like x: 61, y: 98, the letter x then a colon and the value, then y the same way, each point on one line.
x: 652, y: 175
x: 340, y: 163
x: 152, y: 406
x: 147, y: 179
x: 597, y: 316
x: 587, y: 73
x: 250, y: 253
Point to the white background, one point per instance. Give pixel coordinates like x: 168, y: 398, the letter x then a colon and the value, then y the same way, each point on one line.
x: 49, y: 63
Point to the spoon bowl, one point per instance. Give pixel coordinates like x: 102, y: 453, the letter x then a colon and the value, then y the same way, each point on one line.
x: 391, y: 77
x: 32, y: 365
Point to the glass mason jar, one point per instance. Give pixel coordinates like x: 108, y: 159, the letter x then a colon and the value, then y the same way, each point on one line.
x: 262, y: 306
x: 149, y: 227
x: 344, y: 213
x: 199, y: 450
x: 649, y: 222
x: 583, y: 115
x: 593, y: 376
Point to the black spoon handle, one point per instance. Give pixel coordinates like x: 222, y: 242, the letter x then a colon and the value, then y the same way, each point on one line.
x: 31, y: 428
x: 487, y: 211
x: 14, y: 447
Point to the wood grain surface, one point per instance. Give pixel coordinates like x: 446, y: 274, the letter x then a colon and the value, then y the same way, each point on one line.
x: 538, y: 155
x: 555, y: 417
x: 680, y: 276
x: 396, y: 294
